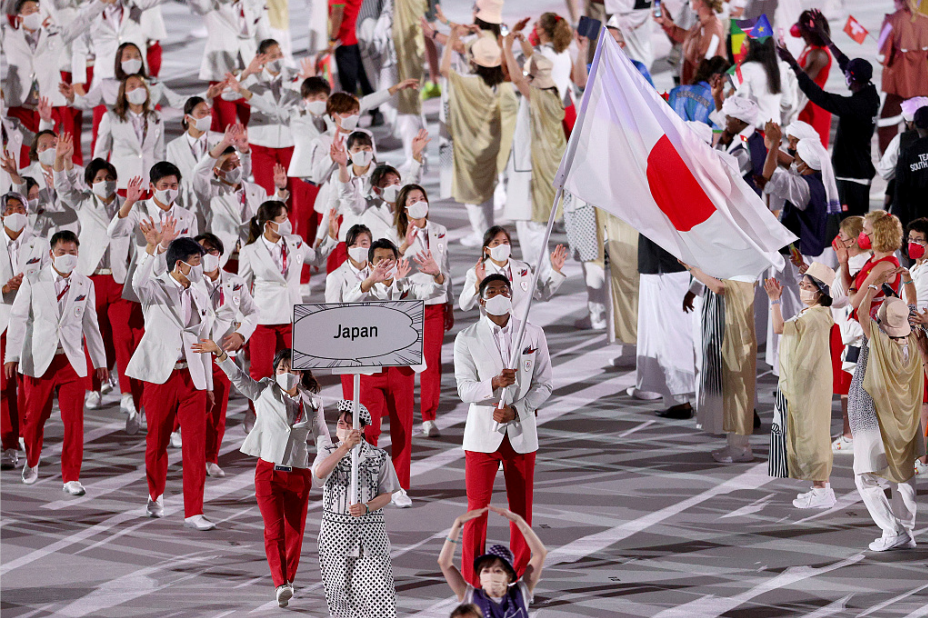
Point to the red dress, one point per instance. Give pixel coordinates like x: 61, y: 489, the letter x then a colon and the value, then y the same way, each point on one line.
x: 879, y: 297
x: 811, y: 113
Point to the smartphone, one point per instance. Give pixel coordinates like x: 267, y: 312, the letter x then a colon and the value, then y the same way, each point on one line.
x: 504, y: 30
x: 589, y: 28
x: 657, y: 8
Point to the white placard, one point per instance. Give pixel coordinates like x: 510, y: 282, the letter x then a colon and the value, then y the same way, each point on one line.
x: 370, y: 334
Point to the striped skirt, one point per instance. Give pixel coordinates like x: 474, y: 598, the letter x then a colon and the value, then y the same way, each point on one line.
x: 710, y: 412
x: 776, y: 464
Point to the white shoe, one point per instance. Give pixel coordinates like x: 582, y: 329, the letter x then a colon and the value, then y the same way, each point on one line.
x: 471, y: 240
x: 198, y: 522
x: 155, y: 508
x: 804, y: 494
x: 176, y: 440
x: 94, y: 400
x: 643, y: 395
x: 74, y: 488
x: 284, y: 594
x: 133, y: 423
x: 249, y: 423
x: 843, y: 445
x: 920, y: 468
x: 401, y: 499
x: 9, y: 459
x: 30, y: 475
x: 887, y: 543
x: 126, y: 404
x: 214, y: 471
x: 430, y: 429
x: 818, y: 498
x: 729, y: 455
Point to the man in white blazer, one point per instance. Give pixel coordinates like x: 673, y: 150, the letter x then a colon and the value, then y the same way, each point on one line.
x: 53, y: 314
x: 178, y: 381
x: 24, y: 253
x: 493, y: 434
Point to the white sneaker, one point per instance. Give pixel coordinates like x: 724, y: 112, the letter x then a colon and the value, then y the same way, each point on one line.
x: 471, y: 240
x: 74, y: 488
x: 198, y: 522
x: 430, y: 429
x: 30, y: 475
x: 642, y: 395
x: 887, y: 543
x: 214, y: 471
x: 401, y: 499
x: 920, y: 468
x: 9, y: 459
x: 729, y: 455
x: 126, y: 404
x: 94, y: 400
x: 818, y: 498
x: 155, y: 508
x: 843, y: 445
x: 133, y: 423
x: 284, y: 594
x: 176, y: 441
x: 804, y: 494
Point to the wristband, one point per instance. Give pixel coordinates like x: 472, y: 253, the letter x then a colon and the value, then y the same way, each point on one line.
x: 450, y: 540
x: 873, y: 287
x: 367, y: 509
x: 908, y: 282
x: 775, y: 302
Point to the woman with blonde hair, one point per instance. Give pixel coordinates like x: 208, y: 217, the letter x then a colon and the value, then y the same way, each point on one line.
x: 882, y: 233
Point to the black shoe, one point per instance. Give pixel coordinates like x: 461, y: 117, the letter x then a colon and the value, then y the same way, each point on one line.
x: 679, y: 413
x: 376, y: 118
x: 756, y: 420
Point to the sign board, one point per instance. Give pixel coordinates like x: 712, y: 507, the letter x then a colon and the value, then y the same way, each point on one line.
x: 369, y: 334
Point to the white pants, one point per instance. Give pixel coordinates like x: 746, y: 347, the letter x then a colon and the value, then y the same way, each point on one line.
x: 893, y: 519
x: 481, y: 217
x: 531, y: 234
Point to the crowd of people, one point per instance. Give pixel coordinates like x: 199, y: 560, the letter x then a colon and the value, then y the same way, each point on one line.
x: 167, y: 270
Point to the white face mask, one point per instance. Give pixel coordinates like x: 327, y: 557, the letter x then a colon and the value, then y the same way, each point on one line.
x: 794, y: 167
x: 500, y: 253
x: 33, y: 21
x: 47, y: 157
x: 493, y: 582
x: 15, y: 222
x: 274, y: 66
x: 233, y: 176
x: 166, y: 196
x: 131, y: 66
x: 389, y: 193
x: 200, y: 124
x: 209, y: 262
x: 104, y: 189
x: 195, y: 274
x: 807, y: 296
x: 498, y: 305
x: 283, y: 229
x: 362, y: 158
x: 350, y: 122
x: 391, y: 273
x: 358, y: 254
x: 418, y: 210
x: 316, y: 108
x: 33, y: 205
x: 137, y: 96
x: 287, y: 381
x: 65, y: 263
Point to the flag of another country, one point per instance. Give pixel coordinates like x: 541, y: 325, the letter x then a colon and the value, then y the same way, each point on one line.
x: 761, y: 30
x: 854, y: 30
x: 734, y: 73
x: 739, y: 32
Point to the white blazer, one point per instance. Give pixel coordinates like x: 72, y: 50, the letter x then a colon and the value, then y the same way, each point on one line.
x: 106, y: 91
x: 277, y: 436
x: 37, y: 329
x: 438, y: 244
x: 399, y: 289
x: 167, y: 339
x: 233, y: 40
x: 520, y: 275
x: 16, y: 135
x: 476, y: 361
x: 275, y: 294
x: 265, y: 129
x: 340, y: 281
x: 234, y: 309
x: 194, y: 195
x: 118, y: 143
x: 378, y: 217
x: 33, y: 256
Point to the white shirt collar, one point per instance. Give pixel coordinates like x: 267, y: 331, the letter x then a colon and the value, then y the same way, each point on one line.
x: 496, y: 328
x: 272, y: 245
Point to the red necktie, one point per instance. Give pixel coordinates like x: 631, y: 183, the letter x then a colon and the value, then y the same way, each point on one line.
x: 283, y: 258
x: 299, y: 415
x: 64, y: 291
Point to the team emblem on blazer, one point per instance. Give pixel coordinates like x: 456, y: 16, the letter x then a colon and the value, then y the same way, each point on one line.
x: 529, y: 350
x: 33, y: 260
x: 523, y: 272
x: 528, y: 365
x: 525, y: 286
x: 441, y: 235
x: 80, y: 298
x: 299, y: 244
x: 237, y: 287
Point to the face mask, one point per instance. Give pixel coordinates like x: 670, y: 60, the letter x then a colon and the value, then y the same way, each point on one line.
x: 65, y: 263
x: 498, y: 305
x: 863, y: 241
x: 500, y: 253
x: 350, y: 122
x: 15, y: 222
x: 287, y: 381
x: 195, y: 274
x: 358, y: 254
x: 795, y: 31
x: 47, y: 157
x: 389, y: 193
x: 285, y: 228
x: 33, y: 205
x: 137, y: 96
x: 316, y: 108
x: 33, y: 21
x: 807, y: 296
x: 418, y: 210
x: 131, y: 67
x: 200, y: 124
x: 493, y: 581
x: 794, y: 167
x: 234, y: 176
x: 274, y: 66
x: 209, y: 262
x: 362, y: 157
x: 104, y: 189
x: 916, y: 251
x: 391, y: 273
x: 166, y: 196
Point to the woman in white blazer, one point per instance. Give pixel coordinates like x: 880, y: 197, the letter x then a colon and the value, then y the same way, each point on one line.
x: 495, y: 259
x: 289, y: 414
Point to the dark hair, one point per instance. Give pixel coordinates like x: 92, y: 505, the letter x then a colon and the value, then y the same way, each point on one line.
x: 181, y: 249
x: 466, y: 610
x: 30, y: 182
x: 265, y: 45
x: 488, y: 27
x: 557, y: 29
x: 709, y: 67
x: 488, y: 237
x: 62, y: 237
x: 490, y: 279
x: 382, y: 243
x: 211, y: 240
x: 356, y: 230
x: 809, y: 34
x: 342, y: 103
x: 91, y: 171
x: 20, y: 4
x: 766, y: 55
x: 119, y: 73
x: 350, y: 415
x: 491, y: 76
x: 122, y: 103
x: 34, y: 148
x: 189, y: 106
x: 268, y: 211
x: 163, y: 169
x: 12, y: 195
x: 400, y: 218
x: 315, y: 85
x: 825, y: 299
x: 308, y: 380
x: 358, y: 137
x: 918, y: 225
x: 488, y: 561
x: 380, y: 172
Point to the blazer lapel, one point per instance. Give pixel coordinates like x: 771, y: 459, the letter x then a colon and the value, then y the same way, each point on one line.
x: 264, y: 255
x: 75, y: 289
x: 45, y: 286
x: 488, y: 340
x: 176, y: 307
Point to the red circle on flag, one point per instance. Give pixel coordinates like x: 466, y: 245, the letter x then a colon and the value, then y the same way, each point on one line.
x: 677, y: 192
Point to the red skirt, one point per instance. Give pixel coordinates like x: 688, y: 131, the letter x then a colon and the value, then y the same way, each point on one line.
x: 841, y: 378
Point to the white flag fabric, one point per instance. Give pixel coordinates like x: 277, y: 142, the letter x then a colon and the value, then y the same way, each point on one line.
x: 631, y: 155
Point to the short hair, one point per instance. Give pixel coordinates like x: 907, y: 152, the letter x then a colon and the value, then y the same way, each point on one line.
x: 180, y: 250
x: 852, y: 226
x: 163, y: 169
x: 918, y: 225
x: 708, y: 67
x: 189, y: 106
x: 315, y: 85
x: 20, y: 4
x: 34, y: 148
x: 13, y: 195
x: 266, y: 44
x: 887, y: 231
x: 382, y: 243
x: 466, y: 610
x: 308, y: 380
x: 488, y: 561
x: 356, y: 230
x: 380, y: 172
x: 91, y: 171
x: 63, y: 236
x: 359, y: 137
x: 342, y: 103
x: 212, y: 240
x: 490, y: 279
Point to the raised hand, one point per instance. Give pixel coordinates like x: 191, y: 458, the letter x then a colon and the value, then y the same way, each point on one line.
x: 205, y: 346
x: 307, y: 67
x: 419, y: 142
x: 402, y: 269
x: 469, y: 515
x: 65, y: 147
x: 480, y: 270
x: 338, y: 153
x: 773, y: 135
x: 333, y: 224
x: 380, y: 270
x: 150, y: 231
x: 280, y: 176
x: 411, y: 231
x: 8, y: 165
x: 558, y: 257
x: 66, y: 91
x: 773, y: 288
x: 134, y: 190
x: 521, y: 24
x: 513, y: 517
x: 45, y: 109
x: 216, y: 89
x: 427, y: 264
x: 169, y: 231
x: 233, y: 83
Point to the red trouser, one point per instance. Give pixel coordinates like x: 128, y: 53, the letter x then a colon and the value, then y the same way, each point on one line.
x: 216, y: 414
x: 107, y: 293
x: 11, y: 404
x: 29, y: 118
x: 391, y: 391
x: 128, y: 325
x: 303, y: 215
x: 263, y: 160
x: 282, y: 499
x: 38, y: 406
x: 229, y: 112
x: 338, y: 257
x: 176, y: 397
x: 75, y: 126
x: 153, y: 58
x: 263, y: 345
x: 479, y: 474
x: 430, y: 380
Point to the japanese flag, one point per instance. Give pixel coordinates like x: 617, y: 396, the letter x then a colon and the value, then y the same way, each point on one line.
x: 631, y: 155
